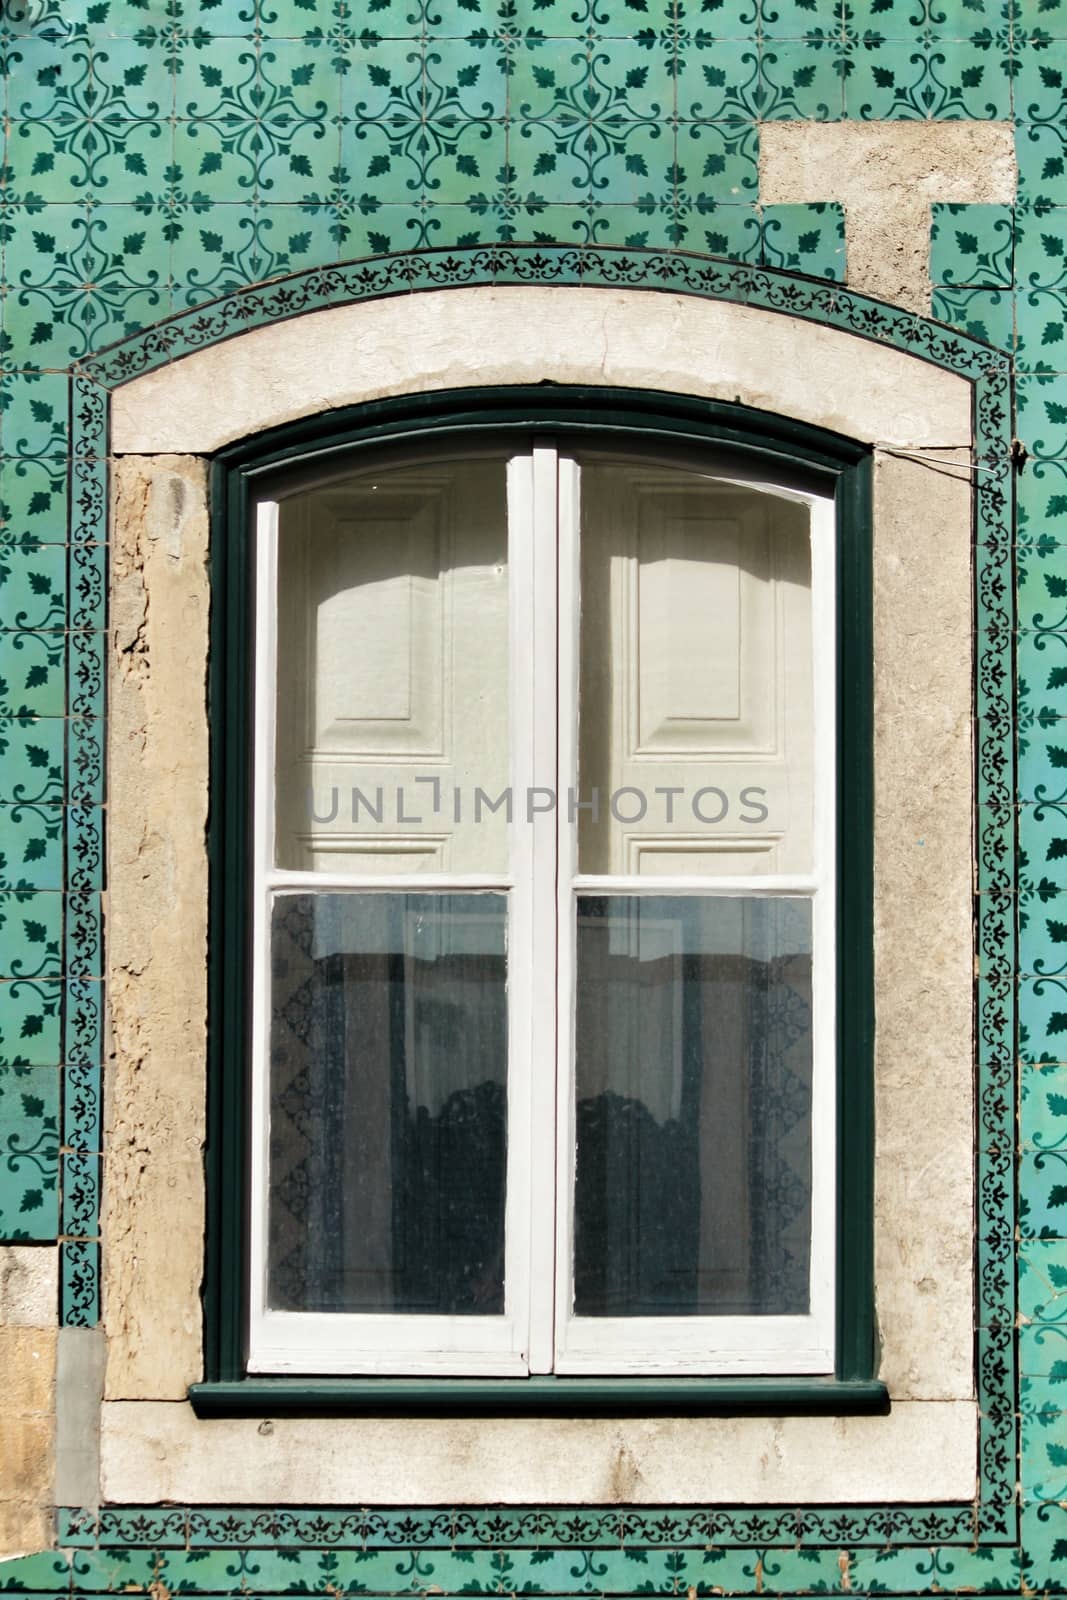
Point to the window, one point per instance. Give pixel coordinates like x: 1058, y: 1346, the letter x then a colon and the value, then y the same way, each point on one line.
x: 547, y: 1027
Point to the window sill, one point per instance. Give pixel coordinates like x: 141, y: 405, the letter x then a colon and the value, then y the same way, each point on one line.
x: 275, y: 1397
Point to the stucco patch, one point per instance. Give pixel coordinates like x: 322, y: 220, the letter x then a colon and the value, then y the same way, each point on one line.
x: 29, y: 1285
x: 887, y: 175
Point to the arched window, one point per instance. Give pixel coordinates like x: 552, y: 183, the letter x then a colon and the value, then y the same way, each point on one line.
x: 553, y: 870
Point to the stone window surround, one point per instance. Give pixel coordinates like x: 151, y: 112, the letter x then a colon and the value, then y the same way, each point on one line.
x: 152, y: 1445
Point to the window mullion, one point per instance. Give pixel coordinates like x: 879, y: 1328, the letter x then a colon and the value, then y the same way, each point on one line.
x: 531, y: 945
x: 266, y: 671
x: 568, y: 591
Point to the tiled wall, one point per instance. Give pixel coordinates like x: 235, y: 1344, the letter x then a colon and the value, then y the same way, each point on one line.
x: 161, y: 153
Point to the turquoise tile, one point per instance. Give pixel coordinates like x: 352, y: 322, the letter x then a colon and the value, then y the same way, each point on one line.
x: 31, y: 930
x: 59, y: 162
x: 215, y: 160
x: 83, y: 1032
x: 302, y: 155
x: 801, y: 78
x: 80, y: 1196
x: 720, y: 83
x: 1043, y: 1097
x: 87, y: 673
x: 84, y: 849
x: 1042, y: 1465
x: 121, y: 257
x: 84, y: 936
x: 31, y: 846
x: 987, y: 314
x: 33, y: 582
x: 543, y: 82
x: 385, y: 83
x: 727, y: 230
x: 133, y: 79
x: 796, y: 19
x: 31, y: 771
x: 972, y: 246
x: 637, y: 164
x: 805, y: 238
x: 85, y: 760
x: 1043, y: 1178
x: 960, y: 19
x: 1040, y: 262
x: 914, y: 80
x: 629, y: 81
x: 34, y: 498
x: 1043, y: 1001
x: 473, y: 81
x: 29, y: 1147
x: 79, y: 1280
x: 718, y: 161
x: 83, y: 1107
x: 47, y: 1572
x: 220, y: 84
x: 372, y: 159
x: 1044, y: 1545
x: 33, y: 424
x: 1040, y: 82
x: 1042, y: 158
x: 545, y: 160
x: 47, y: 76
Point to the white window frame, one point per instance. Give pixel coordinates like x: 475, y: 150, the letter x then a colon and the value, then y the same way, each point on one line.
x: 538, y: 1332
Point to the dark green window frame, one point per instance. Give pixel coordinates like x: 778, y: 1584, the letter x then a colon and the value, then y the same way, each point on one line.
x: 834, y: 463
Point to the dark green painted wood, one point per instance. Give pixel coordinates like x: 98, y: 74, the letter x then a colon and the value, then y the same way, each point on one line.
x: 656, y: 421
x: 500, y: 1396
x: 855, y: 927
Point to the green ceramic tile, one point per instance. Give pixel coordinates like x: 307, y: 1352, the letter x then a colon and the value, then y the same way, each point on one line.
x: 79, y: 1283
x: 720, y: 83
x: 801, y: 78
x: 1043, y: 1097
x: 1039, y: 254
x: 133, y: 78
x: 636, y: 164
x: 219, y: 84
x: 31, y: 926
x: 987, y: 314
x: 1041, y: 152
x: 121, y: 257
x: 83, y: 936
x: 808, y: 238
x: 32, y: 673
x: 719, y: 161
x: 30, y: 1021
x: 29, y: 1146
x: 796, y: 19
x: 83, y: 1109
x: 31, y: 846
x: 913, y: 80
x: 972, y: 246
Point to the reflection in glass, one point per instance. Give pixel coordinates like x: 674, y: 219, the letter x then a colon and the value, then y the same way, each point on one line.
x: 388, y: 1068
x: 392, y: 685
x: 693, y: 1041
x: 696, y: 675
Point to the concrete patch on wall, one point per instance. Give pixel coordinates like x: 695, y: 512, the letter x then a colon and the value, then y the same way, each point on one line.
x: 887, y: 175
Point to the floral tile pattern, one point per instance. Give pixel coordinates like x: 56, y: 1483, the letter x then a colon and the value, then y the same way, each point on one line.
x: 159, y: 155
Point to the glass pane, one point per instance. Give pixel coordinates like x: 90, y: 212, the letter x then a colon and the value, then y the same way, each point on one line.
x: 695, y: 735
x: 393, y: 672
x: 693, y: 1193
x: 388, y: 1059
